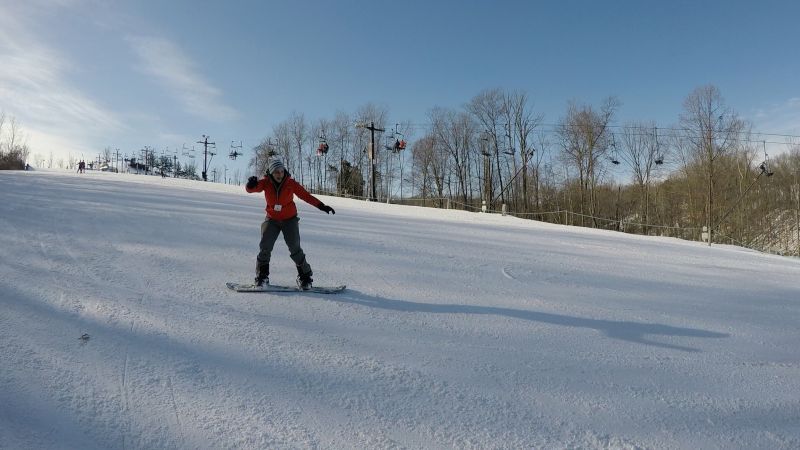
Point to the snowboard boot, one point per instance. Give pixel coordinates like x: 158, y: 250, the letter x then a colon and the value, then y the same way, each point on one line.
x: 261, y: 281
x: 304, y: 280
x: 262, y: 276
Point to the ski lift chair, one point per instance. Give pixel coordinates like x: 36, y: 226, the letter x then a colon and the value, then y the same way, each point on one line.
x: 614, y: 157
x: 765, y: 169
x: 323, y: 148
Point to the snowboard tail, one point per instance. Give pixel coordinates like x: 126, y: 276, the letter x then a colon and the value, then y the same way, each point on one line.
x: 238, y: 287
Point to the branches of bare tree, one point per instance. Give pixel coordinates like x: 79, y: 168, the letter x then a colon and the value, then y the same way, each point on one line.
x: 13, y: 150
x: 712, y: 130
x: 672, y: 180
x: 585, y: 139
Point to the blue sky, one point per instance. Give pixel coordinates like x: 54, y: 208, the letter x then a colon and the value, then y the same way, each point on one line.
x: 81, y: 75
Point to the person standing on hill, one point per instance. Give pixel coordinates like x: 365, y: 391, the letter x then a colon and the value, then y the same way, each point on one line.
x: 279, y: 189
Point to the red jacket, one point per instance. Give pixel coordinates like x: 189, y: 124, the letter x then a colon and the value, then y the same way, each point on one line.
x: 283, y: 195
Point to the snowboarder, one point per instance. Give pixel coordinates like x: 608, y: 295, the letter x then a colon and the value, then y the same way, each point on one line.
x: 279, y: 189
x: 81, y: 167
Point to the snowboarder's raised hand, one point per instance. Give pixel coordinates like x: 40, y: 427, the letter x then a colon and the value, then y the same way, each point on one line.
x: 252, y: 182
x: 326, y: 208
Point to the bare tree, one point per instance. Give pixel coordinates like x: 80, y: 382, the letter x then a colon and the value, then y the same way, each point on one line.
x: 524, y: 122
x: 585, y: 139
x: 283, y: 145
x: 261, y: 155
x: 540, y: 152
x: 14, y: 134
x: 341, y: 140
x: 423, y: 157
x: 237, y: 177
x: 396, y: 157
x: 488, y: 108
x: 2, y: 125
x: 190, y: 169
x: 298, y: 130
x: 712, y: 130
x: 640, y: 151
x: 319, y: 161
x: 745, y: 161
x: 454, y: 134
x: 14, y: 152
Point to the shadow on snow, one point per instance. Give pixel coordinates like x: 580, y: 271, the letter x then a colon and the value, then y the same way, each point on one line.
x: 624, y: 330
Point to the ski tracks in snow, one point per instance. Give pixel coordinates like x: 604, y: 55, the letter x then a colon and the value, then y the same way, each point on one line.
x: 175, y: 408
x: 90, y: 264
x: 124, y: 382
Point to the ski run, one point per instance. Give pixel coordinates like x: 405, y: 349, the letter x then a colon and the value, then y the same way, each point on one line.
x: 456, y: 330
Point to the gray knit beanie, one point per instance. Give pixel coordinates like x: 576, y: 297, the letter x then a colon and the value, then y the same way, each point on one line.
x: 274, y: 164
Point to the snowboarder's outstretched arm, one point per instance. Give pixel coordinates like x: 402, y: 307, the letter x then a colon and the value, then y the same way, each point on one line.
x: 304, y: 195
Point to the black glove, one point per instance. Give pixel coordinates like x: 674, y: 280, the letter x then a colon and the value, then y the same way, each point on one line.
x: 326, y: 208
x: 252, y: 182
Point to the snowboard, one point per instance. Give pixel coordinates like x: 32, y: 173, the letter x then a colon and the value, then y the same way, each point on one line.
x: 238, y: 287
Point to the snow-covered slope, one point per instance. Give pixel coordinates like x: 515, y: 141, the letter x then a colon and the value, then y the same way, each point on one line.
x: 458, y: 330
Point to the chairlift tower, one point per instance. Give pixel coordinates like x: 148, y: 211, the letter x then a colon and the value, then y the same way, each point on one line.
x: 147, y: 158
x: 116, y: 159
x: 206, y: 144
x: 322, y: 151
x: 371, y: 153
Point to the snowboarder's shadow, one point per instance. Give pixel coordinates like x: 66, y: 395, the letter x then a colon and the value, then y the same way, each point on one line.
x: 623, y: 330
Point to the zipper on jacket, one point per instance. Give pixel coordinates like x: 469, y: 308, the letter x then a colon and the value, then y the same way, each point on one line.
x: 277, y: 187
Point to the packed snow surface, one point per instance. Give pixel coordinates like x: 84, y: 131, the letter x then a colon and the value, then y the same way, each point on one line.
x: 457, y: 330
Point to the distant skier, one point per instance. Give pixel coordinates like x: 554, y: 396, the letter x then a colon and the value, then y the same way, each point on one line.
x: 81, y: 167
x: 279, y: 189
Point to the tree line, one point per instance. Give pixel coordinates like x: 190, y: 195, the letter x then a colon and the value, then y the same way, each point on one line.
x: 708, y: 169
x: 13, y: 149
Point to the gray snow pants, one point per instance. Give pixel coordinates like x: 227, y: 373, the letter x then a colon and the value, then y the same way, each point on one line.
x: 291, y: 234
